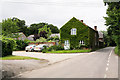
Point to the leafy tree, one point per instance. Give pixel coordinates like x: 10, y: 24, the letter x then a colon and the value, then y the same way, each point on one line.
x: 21, y: 25
x: 33, y: 29
x: 44, y: 32
x: 108, y: 40
x: 54, y: 29
x: 9, y: 27
x: 113, y: 22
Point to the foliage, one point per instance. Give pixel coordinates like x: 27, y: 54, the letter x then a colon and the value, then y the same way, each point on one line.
x: 52, y: 39
x: 0, y: 28
x: 41, y: 40
x: 108, y: 40
x: 113, y: 22
x: 70, y: 51
x: 17, y: 58
x: 7, y: 46
x: 44, y: 32
x: 21, y: 24
x: 53, y: 28
x: 116, y: 50
x: 20, y: 45
x: 53, y: 48
x: 84, y: 33
x: 33, y: 29
x: 9, y: 26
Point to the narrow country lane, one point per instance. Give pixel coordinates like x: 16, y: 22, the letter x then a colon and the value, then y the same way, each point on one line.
x: 100, y: 64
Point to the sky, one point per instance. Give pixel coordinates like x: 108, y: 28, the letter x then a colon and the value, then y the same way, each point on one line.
x: 56, y: 12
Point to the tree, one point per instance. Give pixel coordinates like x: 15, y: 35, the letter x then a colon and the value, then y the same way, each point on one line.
x: 53, y: 28
x: 44, y: 32
x: 108, y: 40
x: 9, y: 27
x: 113, y: 22
x: 33, y: 29
x: 21, y: 25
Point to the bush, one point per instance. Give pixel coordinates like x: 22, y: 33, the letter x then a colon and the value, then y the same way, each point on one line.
x: 7, y: 46
x: 55, y: 48
x: 20, y: 44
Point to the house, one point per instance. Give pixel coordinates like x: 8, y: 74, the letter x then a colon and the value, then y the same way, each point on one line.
x: 101, y: 39
x: 75, y: 33
x: 20, y: 36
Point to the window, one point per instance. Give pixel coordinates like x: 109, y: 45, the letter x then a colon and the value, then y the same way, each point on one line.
x: 82, y: 42
x: 66, y: 42
x: 73, y: 31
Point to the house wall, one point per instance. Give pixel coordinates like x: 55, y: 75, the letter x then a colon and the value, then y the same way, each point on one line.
x: 83, y: 33
x: 93, y: 38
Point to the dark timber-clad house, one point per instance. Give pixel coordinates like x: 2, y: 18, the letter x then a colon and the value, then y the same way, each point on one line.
x: 75, y: 33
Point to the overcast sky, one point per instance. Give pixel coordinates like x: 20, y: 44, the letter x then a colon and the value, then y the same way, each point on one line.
x: 56, y: 12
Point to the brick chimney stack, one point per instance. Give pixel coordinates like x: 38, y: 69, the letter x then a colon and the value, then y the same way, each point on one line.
x: 95, y: 28
x: 81, y: 20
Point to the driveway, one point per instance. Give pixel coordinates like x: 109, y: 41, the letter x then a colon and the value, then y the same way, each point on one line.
x: 52, y: 58
x: 99, y: 64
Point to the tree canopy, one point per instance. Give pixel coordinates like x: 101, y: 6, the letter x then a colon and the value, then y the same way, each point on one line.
x: 113, y: 21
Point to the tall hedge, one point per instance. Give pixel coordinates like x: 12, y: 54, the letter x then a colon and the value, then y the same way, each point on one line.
x: 7, y: 46
x: 20, y: 45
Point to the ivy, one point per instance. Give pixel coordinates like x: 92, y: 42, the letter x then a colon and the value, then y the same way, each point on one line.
x: 84, y: 33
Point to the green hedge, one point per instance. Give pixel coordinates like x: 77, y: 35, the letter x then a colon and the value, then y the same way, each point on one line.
x: 20, y: 45
x: 7, y: 46
x: 53, y: 48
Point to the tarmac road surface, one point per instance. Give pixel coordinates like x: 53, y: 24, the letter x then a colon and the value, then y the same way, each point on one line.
x: 102, y: 63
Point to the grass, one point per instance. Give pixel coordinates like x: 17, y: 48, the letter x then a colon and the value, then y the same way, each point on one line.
x: 17, y: 58
x: 70, y: 51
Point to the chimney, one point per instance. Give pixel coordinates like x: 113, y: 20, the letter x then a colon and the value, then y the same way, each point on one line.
x: 81, y: 20
x: 95, y: 28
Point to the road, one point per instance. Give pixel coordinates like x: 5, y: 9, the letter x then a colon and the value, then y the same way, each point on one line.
x: 100, y: 64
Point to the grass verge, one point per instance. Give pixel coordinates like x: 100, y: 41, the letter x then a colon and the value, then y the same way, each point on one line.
x: 116, y: 51
x: 70, y: 51
x: 17, y: 58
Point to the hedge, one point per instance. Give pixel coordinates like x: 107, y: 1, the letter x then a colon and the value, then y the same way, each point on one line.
x: 20, y: 45
x: 7, y: 46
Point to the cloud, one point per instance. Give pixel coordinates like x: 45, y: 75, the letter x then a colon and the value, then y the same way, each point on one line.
x: 56, y: 12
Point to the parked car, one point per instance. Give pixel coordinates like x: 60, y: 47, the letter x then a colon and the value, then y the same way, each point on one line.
x: 30, y: 48
x: 40, y: 47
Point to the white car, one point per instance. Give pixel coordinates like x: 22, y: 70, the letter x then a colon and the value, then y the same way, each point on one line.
x: 40, y: 47
x: 30, y: 48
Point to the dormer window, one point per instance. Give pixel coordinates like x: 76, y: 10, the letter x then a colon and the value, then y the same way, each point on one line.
x: 73, y: 31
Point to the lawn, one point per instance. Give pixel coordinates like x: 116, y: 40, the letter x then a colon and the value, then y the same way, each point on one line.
x: 17, y: 58
x: 70, y: 51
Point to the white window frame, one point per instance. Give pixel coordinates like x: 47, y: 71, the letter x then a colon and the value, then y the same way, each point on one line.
x: 73, y: 31
x: 82, y: 42
x: 66, y: 42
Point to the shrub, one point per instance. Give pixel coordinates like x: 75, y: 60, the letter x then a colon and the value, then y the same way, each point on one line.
x: 55, y: 48
x: 20, y: 44
x: 7, y: 46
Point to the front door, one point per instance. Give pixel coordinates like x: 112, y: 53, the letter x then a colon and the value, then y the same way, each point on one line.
x: 66, y: 45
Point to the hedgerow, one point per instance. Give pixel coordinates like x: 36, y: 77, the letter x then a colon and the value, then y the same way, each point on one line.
x: 7, y: 46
